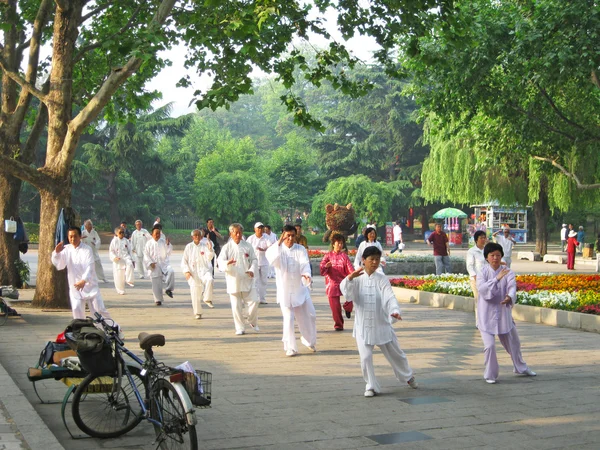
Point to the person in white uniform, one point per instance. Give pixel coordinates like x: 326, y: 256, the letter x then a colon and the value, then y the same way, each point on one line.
x: 497, y: 294
x: 475, y: 259
x: 292, y: 276
x: 78, y: 258
x: 272, y: 237
x: 564, y: 232
x: 197, y: 269
x: 158, y: 267
x: 507, y: 242
x: 139, y: 237
x: 119, y: 253
x: 260, y: 243
x: 370, y: 240
x: 238, y: 261
x: 376, y: 310
x: 90, y: 236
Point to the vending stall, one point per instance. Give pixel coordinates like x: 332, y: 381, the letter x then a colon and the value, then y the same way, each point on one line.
x: 492, y: 217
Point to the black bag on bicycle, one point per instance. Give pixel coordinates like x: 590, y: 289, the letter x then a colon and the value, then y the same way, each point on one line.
x: 92, y: 346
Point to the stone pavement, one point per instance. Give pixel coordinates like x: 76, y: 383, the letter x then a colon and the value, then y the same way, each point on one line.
x: 264, y: 400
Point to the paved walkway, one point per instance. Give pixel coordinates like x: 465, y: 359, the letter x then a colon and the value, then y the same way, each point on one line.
x: 264, y: 400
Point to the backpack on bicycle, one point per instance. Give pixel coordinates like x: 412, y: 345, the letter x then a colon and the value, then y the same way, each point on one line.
x: 92, y: 346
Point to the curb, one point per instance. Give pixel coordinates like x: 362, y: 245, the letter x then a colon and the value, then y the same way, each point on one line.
x: 30, y: 425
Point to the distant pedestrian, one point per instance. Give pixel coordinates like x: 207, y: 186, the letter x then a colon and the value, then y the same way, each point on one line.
x: 360, y: 238
x: 441, y: 250
x: 127, y: 232
x: 157, y: 254
x: 197, y: 269
x: 120, y: 254
x: 376, y: 310
x: 90, y: 236
x: 139, y: 237
x: 572, y: 244
x: 507, y: 242
x: 564, y: 235
x: 497, y: 288
x: 260, y: 243
x: 580, y: 239
x: 397, y: 234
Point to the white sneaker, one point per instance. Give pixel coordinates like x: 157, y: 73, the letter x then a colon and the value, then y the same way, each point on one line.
x: 255, y: 328
x: 529, y: 372
x: 369, y: 393
x: 239, y: 333
x: 209, y: 303
x: 198, y: 316
x: 130, y: 284
x: 490, y: 381
x: 291, y: 353
x: 413, y: 383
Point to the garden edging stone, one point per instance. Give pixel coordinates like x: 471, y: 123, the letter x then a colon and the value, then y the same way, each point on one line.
x: 524, y: 313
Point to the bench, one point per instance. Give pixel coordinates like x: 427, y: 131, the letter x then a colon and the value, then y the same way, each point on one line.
x: 531, y: 256
x: 559, y: 259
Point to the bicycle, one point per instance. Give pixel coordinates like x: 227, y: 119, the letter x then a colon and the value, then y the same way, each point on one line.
x: 107, y: 406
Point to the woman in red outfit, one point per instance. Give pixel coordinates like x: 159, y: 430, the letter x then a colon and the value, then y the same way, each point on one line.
x: 335, y: 267
x: 571, y: 248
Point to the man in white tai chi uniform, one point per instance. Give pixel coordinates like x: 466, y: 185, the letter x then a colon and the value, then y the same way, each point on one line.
x: 272, y: 237
x: 292, y: 275
x: 197, y: 268
x: 139, y: 237
x: 119, y: 253
x: 238, y: 261
x: 158, y: 267
x: 260, y: 242
x: 78, y: 258
x: 90, y: 236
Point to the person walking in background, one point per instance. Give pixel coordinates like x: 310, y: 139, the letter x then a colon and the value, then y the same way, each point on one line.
x: 360, y: 238
x: 90, y: 237
x: 139, y: 237
x: 336, y: 266
x: 497, y: 288
x: 564, y: 235
x: 214, y: 236
x: 119, y: 253
x: 292, y: 275
x: 571, y: 249
x: 260, y: 243
x: 441, y: 250
x: 272, y: 237
x: 369, y: 241
x: 300, y: 238
x: 158, y: 266
x: 507, y: 242
x: 580, y: 239
x: 397, y: 235
x: 376, y: 310
x: 127, y: 232
x: 197, y: 269
x: 238, y: 261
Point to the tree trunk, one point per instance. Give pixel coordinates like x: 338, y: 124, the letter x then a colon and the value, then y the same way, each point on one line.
x: 424, y: 220
x: 113, y: 200
x: 51, y: 289
x: 9, y: 249
x: 541, y: 211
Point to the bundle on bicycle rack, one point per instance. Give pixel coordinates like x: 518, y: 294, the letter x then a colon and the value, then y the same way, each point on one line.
x: 198, y: 386
x: 92, y: 346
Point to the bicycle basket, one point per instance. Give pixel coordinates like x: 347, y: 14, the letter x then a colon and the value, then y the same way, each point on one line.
x: 198, y: 387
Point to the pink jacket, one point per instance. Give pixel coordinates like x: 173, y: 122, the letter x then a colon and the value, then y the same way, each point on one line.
x: 341, y: 266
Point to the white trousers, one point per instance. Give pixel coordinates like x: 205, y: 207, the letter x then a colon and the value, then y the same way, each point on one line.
x: 168, y: 280
x: 99, y: 270
x: 511, y: 343
x: 95, y: 303
x: 475, y: 294
x: 306, y: 316
x: 237, y: 307
x: 198, y: 286
x: 261, y: 283
x: 139, y: 265
x: 392, y: 352
x: 508, y: 261
x: 122, y: 273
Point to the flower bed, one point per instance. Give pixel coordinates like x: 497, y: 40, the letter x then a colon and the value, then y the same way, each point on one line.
x: 564, y: 292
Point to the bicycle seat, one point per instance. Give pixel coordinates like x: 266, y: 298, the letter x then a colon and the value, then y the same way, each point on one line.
x: 147, y: 341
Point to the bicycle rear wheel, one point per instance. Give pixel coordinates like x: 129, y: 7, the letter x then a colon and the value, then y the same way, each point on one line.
x: 3, y: 311
x: 166, y: 408
x: 102, y: 409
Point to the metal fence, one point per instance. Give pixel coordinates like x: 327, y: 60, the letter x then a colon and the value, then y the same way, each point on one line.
x: 186, y: 222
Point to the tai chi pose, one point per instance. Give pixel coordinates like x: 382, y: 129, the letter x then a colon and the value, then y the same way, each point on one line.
x: 158, y: 267
x: 139, y: 237
x: 78, y: 258
x: 197, y: 268
x: 119, y: 253
x: 376, y: 310
x: 292, y: 276
x: 497, y: 295
x: 260, y: 243
x: 335, y: 266
x: 90, y: 236
x: 239, y: 263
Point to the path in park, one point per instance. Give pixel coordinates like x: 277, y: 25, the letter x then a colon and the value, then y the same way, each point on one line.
x: 264, y: 400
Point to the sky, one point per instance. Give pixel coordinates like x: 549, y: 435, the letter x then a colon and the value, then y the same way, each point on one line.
x: 361, y: 47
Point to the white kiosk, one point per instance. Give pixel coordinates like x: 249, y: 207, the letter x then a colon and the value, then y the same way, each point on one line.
x: 492, y: 217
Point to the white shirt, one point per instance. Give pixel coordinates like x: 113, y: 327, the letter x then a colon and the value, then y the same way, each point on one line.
x: 245, y: 261
x: 290, y: 265
x: 92, y: 239
x: 260, y: 242
x: 138, y: 240
x: 120, y: 248
x: 361, y: 248
x: 397, y: 232
x: 506, y: 243
x: 475, y: 261
x: 374, y: 302
x: 563, y: 233
x: 196, y: 259
x: 157, y: 252
x: 79, y: 262
x: 271, y: 237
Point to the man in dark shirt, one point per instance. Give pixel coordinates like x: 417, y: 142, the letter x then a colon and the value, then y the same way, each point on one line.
x: 214, y: 235
x: 127, y: 232
x: 441, y: 250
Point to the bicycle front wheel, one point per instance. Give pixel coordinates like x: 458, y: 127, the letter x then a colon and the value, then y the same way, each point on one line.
x: 106, y: 406
x: 166, y: 408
